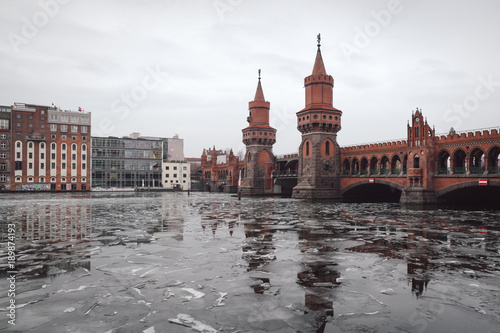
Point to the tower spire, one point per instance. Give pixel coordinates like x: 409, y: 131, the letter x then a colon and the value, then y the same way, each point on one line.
x: 319, y: 66
x: 259, y: 94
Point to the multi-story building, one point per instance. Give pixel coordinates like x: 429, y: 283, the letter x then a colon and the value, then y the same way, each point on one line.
x: 126, y: 162
x: 177, y: 175
x: 5, y: 148
x: 221, y: 171
x: 49, y: 148
x: 135, y: 161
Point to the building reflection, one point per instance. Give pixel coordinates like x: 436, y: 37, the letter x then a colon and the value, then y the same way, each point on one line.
x: 52, y: 237
x: 215, y: 215
x: 173, y: 216
x: 427, y: 245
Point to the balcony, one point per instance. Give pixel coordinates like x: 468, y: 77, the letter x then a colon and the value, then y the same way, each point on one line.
x: 459, y: 170
x: 477, y: 170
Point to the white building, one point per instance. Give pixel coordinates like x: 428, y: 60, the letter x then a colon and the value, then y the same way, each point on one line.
x: 176, y: 175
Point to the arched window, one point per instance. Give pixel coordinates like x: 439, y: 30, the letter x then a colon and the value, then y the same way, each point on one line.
x: 63, y: 146
x: 53, y: 146
x: 416, y: 161
x: 307, y: 148
x: 327, y: 148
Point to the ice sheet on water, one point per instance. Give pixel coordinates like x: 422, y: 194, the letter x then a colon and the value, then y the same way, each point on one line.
x: 188, y: 321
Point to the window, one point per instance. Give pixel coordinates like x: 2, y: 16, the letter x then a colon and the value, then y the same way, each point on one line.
x: 18, y: 144
x: 30, y: 145
x: 84, y: 166
x: 63, y: 137
x: 53, y: 136
x: 175, y: 168
x: 73, y: 138
x: 74, y: 129
x: 84, y: 147
x: 3, y: 178
x: 3, y: 135
x: 30, y: 125
x: 3, y: 145
x: 30, y: 165
x: 63, y: 166
x: 84, y: 129
x: 73, y: 146
x: 42, y: 179
x: 30, y: 155
x: 85, y: 120
x: 53, y: 127
x: 18, y: 155
x: 63, y: 146
x: 84, y: 157
x: 73, y: 166
x: 53, y: 165
x: 184, y: 168
x: 63, y: 156
x: 42, y: 118
x: 167, y: 167
x: 53, y: 146
x: 64, y: 118
x: 53, y: 156
x: 18, y: 124
x: 175, y: 175
x: 30, y: 117
x: 3, y: 166
x: 184, y: 175
x: 84, y: 138
x: 42, y: 145
x: 167, y: 175
x: 4, y: 124
x: 42, y: 165
x: 18, y: 116
x: 64, y: 128
x: 74, y: 119
x: 73, y: 157
x: 42, y: 156
x: 3, y: 155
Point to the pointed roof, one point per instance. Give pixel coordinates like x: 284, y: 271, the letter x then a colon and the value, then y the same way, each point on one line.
x: 319, y: 66
x: 259, y: 94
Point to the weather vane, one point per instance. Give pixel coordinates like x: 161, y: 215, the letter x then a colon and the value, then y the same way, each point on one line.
x: 319, y: 39
x: 259, y: 73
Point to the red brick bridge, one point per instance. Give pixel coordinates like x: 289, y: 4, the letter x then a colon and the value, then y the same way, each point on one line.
x: 423, y: 168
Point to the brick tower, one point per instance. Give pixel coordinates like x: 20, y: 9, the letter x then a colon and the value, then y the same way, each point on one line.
x: 259, y: 138
x: 319, y: 152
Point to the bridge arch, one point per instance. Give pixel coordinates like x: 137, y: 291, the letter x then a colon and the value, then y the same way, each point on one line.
x: 493, y: 159
x: 346, y: 167
x: 443, y: 161
x: 384, y: 165
x: 374, y: 164
x: 396, y: 164
x: 381, y: 190
x: 459, y: 157
x: 476, y: 160
x: 364, y: 166
x: 470, y: 192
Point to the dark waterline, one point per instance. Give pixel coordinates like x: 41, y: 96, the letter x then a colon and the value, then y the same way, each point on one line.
x: 169, y: 262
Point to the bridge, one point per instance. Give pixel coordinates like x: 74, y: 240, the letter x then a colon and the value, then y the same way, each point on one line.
x: 423, y: 168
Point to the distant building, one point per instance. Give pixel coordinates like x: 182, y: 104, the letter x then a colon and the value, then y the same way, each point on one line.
x: 220, y: 170
x: 176, y: 175
x: 5, y: 148
x: 133, y: 161
x: 195, y: 165
x: 49, y: 148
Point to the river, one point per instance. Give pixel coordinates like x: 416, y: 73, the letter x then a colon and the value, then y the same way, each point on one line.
x: 205, y: 262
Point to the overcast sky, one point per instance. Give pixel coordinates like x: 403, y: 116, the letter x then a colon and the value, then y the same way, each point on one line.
x: 189, y: 67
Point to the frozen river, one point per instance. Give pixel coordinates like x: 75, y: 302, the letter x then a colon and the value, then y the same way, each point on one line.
x: 169, y: 262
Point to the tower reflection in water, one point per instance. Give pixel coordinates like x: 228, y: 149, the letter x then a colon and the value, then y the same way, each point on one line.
x: 52, y: 237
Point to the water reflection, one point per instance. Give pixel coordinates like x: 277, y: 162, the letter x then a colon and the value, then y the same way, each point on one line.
x: 52, y: 237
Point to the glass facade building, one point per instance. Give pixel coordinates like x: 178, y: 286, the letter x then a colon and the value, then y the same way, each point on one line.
x: 126, y: 162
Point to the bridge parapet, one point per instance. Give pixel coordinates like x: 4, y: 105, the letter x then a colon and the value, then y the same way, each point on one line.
x: 385, y: 145
x: 491, y: 133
